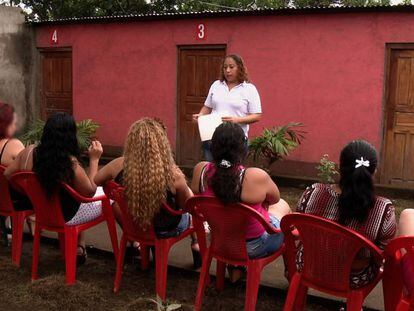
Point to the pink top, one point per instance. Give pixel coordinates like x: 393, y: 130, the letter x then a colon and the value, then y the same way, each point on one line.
x: 254, y: 228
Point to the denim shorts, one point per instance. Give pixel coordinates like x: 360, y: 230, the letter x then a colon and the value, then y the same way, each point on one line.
x: 266, y: 244
x: 207, y: 151
x: 183, y: 225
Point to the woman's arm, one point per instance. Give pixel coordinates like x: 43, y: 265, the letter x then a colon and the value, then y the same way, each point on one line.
x: 258, y: 185
x: 182, y: 192
x: 195, y: 182
x: 250, y: 118
x: 204, y: 110
x: 84, y: 183
x: 15, y: 165
x: 109, y: 171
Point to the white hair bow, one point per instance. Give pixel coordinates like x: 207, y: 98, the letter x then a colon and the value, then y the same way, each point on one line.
x: 225, y: 164
x: 361, y: 162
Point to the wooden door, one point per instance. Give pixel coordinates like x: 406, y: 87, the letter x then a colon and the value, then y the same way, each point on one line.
x: 198, y: 67
x: 398, y: 154
x: 56, y: 89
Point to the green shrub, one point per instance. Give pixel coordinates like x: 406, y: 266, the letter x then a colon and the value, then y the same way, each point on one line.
x: 326, y: 170
x: 86, y: 130
x: 276, y: 143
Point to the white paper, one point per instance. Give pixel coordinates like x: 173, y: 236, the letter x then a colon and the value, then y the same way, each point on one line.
x: 207, y: 124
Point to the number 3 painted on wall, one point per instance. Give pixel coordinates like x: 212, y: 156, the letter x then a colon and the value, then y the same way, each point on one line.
x: 201, y: 32
x: 54, y: 37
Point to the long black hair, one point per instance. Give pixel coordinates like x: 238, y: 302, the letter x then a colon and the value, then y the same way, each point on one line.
x: 229, y: 148
x: 53, y: 156
x: 358, y: 163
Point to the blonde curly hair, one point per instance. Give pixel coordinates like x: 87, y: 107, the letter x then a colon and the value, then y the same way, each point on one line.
x: 148, y: 169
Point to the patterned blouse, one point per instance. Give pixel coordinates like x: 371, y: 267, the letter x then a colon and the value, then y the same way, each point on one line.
x: 380, y: 226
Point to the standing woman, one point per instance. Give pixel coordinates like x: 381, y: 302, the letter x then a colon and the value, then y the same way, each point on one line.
x: 233, y: 96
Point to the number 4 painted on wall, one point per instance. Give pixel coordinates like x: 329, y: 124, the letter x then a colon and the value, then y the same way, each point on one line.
x: 54, y: 37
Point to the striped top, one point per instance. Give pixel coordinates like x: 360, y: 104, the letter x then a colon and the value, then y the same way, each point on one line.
x: 380, y: 226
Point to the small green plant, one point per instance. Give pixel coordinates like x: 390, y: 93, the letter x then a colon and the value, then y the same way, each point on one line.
x: 86, y: 130
x: 276, y: 143
x: 326, y: 170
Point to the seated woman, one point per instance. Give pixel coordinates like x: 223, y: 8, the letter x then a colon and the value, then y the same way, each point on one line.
x: 150, y: 176
x: 57, y: 159
x: 10, y: 147
x: 229, y: 181
x: 406, y: 227
x: 353, y: 203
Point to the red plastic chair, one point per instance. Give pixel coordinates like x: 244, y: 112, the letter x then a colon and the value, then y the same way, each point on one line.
x: 396, y: 296
x: 146, y: 238
x: 49, y: 217
x: 228, y: 244
x: 17, y: 217
x: 329, y: 250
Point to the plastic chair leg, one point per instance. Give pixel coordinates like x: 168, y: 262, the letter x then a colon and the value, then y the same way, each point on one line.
x: 252, y: 286
x: 204, y: 275
x: 162, y: 249
x: 110, y: 221
x: 293, y: 289
x: 220, y: 275
x: 36, y: 249
x: 17, y: 241
x: 144, y: 257
x: 71, y: 242
x: 301, y: 296
x: 120, y: 264
x: 354, y: 302
x: 392, y: 284
x: 62, y: 244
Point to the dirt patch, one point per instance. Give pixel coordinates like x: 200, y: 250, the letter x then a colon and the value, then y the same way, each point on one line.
x: 93, y: 289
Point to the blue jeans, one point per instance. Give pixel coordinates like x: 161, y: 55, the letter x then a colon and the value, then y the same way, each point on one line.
x: 183, y: 225
x: 207, y: 151
x: 266, y: 244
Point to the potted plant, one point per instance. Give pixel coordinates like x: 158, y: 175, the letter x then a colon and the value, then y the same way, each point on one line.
x: 326, y: 170
x: 276, y: 143
x: 86, y: 130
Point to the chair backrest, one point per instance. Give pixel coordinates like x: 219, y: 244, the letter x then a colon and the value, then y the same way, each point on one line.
x: 48, y: 209
x: 393, y: 253
x: 6, y: 203
x: 228, y: 225
x: 116, y: 192
x: 329, y: 250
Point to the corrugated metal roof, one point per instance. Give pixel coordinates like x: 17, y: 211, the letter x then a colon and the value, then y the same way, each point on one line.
x: 229, y: 13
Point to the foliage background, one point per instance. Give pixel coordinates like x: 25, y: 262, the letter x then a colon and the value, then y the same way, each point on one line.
x: 55, y: 9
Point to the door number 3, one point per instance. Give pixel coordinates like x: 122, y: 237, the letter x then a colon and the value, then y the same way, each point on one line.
x: 201, y: 32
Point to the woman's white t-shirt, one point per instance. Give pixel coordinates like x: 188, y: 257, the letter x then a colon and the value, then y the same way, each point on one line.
x: 240, y: 101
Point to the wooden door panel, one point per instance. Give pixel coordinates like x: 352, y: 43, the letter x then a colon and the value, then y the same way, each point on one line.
x: 398, y: 164
x: 56, y: 92
x: 197, y: 69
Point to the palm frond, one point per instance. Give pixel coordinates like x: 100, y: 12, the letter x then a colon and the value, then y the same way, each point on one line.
x: 276, y: 143
x: 86, y: 130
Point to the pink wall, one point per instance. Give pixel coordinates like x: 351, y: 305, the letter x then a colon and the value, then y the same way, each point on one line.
x: 325, y: 70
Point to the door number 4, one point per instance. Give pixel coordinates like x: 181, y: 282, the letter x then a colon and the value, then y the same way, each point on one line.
x: 54, y: 37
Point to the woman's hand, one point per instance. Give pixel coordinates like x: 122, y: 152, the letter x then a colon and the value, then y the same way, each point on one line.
x: 196, y: 116
x: 95, y: 150
x: 231, y: 119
